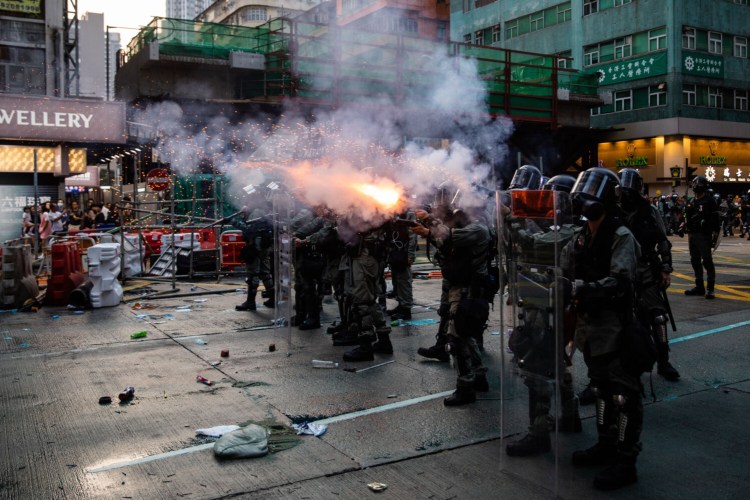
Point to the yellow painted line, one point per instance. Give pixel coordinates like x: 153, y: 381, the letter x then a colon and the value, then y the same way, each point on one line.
x: 736, y: 294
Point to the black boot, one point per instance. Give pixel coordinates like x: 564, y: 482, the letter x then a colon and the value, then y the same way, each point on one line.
x: 602, y: 453
x: 345, y: 338
x: 696, y: 290
x: 383, y: 344
x: 271, y: 295
x: 340, y: 327
x: 570, y: 423
x: 529, y: 445
x: 480, y: 383
x: 310, y: 324
x: 363, y: 352
x: 435, y: 352
x: 462, y: 396
x: 403, y: 313
x: 249, y: 304
x: 663, y: 366
x: 617, y: 476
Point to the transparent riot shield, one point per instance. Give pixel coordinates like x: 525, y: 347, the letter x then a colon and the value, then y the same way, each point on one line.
x: 283, y: 251
x: 538, y: 400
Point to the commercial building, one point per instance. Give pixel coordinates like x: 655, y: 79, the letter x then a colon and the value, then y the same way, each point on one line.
x: 253, y: 12
x: 186, y: 9
x: 45, y: 124
x: 677, y: 72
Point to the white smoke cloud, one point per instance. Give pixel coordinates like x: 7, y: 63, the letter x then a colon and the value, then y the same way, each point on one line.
x: 326, y: 160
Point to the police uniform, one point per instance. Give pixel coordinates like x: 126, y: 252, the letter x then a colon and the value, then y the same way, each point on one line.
x: 402, y: 249
x: 257, y: 232
x: 702, y: 226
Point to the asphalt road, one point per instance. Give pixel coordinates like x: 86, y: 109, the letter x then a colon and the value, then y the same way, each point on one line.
x: 387, y: 424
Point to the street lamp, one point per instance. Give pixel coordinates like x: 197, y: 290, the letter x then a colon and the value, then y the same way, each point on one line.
x: 675, y: 172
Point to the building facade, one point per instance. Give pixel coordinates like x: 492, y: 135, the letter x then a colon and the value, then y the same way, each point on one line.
x: 186, y: 9
x: 677, y: 72
x: 253, y: 12
x: 92, y: 56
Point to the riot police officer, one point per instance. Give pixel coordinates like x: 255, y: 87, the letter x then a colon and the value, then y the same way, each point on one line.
x: 601, y: 263
x: 654, y: 265
x: 257, y: 231
x: 401, y: 248
x: 464, y: 244
x: 702, y: 226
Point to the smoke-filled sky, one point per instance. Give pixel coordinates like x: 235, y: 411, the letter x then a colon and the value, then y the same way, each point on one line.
x: 354, y: 159
x: 128, y: 16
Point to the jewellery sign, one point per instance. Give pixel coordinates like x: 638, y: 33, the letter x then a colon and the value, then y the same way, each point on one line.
x: 71, y: 120
x: 632, y: 69
x: 702, y: 64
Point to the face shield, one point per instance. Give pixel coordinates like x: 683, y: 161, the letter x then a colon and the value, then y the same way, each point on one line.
x: 526, y: 177
x: 593, y: 191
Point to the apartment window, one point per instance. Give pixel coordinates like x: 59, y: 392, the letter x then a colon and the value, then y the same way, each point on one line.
x: 564, y: 62
x: 715, y: 98
x: 591, y: 57
x: 563, y: 12
x: 536, y: 21
x: 623, y: 47
x: 467, y: 5
x: 623, y: 100
x: 740, y: 100
x: 740, y: 47
x: 618, y: 3
x: 596, y: 111
x: 688, y: 38
x: 590, y: 7
x: 467, y: 38
x: 688, y: 95
x: 254, y: 14
x: 657, y: 96
x: 714, y: 42
x: 511, y: 29
x: 657, y: 39
x: 22, y: 70
x: 479, y: 37
x: 496, y: 33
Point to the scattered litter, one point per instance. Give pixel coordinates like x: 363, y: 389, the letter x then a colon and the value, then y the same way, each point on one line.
x: 217, y: 431
x: 24, y: 344
x: 215, y: 363
x: 245, y: 442
x: 357, y: 370
x: 391, y: 396
x: 193, y: 288
x: 139, y: 335
x: 7, y: 338
x: 203, y: 380
x: 494, y: 333
x: 225, y: 353
x: 55, y: 316
x: 317, y: 363
x: 200, y: 300
x: 8, y: 311
x: 312, y: 429
x: 240, y: 290
x: 127, y: 394
x: 377, y: 486
x: 142, y: 316
x: 79, y: 311
x: 271, y: 347
x: 184, y: 309
x: 105, y: 400
x: 200, y: 342
x: 138, y: 306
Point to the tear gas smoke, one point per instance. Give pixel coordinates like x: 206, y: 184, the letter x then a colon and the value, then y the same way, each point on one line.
x: 355, y: 160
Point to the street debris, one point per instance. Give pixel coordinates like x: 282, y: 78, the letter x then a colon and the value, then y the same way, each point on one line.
x: 139, y: 335
x: 200, y: 342
x: 225, y: 353
x: 357, y: 370
x: 317, y: 363
x: 203, y: 380
x: 216, y: 431
x: 377, y: 486
x: 312, y: 429
x: 105, y: 400
x: 127, y: 394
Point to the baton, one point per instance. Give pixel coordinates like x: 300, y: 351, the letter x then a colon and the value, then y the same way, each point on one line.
x: 669, y: 309
x: 220, y: 220
x: 357, y: 370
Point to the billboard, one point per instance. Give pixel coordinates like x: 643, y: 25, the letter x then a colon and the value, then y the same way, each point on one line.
x: 67, y: 120
x: 21, y: 6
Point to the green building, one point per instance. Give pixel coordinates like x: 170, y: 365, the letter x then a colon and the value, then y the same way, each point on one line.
x: 675, y: 73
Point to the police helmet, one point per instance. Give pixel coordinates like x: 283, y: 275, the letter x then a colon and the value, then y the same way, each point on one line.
x: 631, y: 180
x: 700, y: 184
x: 526, y: 177
x: 560, y: 182
x: 594, y: 192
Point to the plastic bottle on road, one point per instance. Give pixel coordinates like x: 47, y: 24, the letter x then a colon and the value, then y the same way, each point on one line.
x: 317, y: 363
x: 127, y: 394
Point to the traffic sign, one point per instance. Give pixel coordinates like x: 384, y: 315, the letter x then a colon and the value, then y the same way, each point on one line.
x: 158, y: 179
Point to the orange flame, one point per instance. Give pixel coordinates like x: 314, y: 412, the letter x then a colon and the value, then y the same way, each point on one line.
x: 386, y: 197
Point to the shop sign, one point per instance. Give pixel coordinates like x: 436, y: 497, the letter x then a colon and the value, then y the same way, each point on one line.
x: 727, y: 174
x: 632, y: 69
x: 632, y: 160
x: 46, y: 118
x: 714, y: 158
x: 22, y: 6
x: 702, y: 64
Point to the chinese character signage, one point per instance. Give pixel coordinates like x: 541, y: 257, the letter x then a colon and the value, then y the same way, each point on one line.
x: 632, y: 69
x: 22, y: 6
x: 702, y: 64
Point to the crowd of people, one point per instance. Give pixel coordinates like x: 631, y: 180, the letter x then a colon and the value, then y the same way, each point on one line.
x: 616, y: 262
